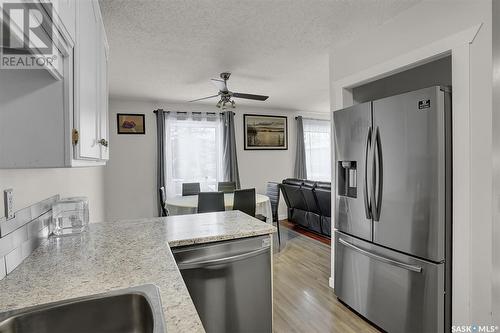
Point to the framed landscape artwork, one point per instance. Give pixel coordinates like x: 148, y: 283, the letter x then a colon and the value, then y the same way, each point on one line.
x: 265, y: 132
x: 129, y: 123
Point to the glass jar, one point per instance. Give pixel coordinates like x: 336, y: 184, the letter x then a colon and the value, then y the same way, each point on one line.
x: 70, y: 216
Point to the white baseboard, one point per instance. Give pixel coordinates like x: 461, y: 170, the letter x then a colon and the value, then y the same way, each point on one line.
x: 330, y: 282
x: 282, y: 217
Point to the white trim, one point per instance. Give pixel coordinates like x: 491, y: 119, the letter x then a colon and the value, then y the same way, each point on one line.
x: 461, y: 205
x: 330, y: 281
x: 458, y: 46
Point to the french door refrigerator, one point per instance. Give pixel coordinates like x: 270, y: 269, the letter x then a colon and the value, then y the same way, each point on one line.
x: 393, y: 210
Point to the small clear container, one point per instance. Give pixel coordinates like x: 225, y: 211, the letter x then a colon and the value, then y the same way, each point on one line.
x: 70, y: 216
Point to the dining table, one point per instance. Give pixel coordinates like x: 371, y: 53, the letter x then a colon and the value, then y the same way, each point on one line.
x: 188, y: 204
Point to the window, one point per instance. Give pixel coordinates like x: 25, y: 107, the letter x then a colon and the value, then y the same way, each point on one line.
x: 317, y: 145
x: 193, y: 151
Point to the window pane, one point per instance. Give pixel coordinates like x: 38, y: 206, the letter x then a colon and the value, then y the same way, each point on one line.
x: 317, y: 146
x: 193, y: 154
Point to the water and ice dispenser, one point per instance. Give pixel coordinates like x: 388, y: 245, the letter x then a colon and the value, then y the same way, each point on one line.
x: 347, y: 179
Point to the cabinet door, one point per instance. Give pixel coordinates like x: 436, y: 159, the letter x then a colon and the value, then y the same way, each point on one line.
x: 86, y: 81
x: 103, y: 94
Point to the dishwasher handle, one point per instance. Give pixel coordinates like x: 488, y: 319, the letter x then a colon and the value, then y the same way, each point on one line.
x: 220, y: 261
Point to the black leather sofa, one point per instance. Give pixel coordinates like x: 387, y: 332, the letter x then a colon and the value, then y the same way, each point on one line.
x: 309, y: 204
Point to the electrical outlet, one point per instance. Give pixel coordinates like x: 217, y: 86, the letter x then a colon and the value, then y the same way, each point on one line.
x: 8, y: 200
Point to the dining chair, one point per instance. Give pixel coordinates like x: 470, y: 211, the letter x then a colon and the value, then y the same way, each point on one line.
x: 190, y: 189
x: 211, y: 202
x: 244, y: 200
x: 163, y: 199
x: 273, y: 193
x: 226, y: 187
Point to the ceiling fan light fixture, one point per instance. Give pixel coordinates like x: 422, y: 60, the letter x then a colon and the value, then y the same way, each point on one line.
x: 226, y: 95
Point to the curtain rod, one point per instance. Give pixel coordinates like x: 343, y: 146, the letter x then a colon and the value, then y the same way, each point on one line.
x: 195, y: 112
x: 311, y: 118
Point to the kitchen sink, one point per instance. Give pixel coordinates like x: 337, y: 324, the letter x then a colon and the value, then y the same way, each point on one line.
x: 135, y: 309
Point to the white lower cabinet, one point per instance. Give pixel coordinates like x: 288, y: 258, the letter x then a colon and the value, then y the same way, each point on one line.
x: 59, y: 117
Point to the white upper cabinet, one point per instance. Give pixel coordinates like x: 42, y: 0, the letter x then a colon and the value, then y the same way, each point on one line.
x: 91, y: 83
x: 58, y: 117
x: 103, y: 58
x: 87, y: 112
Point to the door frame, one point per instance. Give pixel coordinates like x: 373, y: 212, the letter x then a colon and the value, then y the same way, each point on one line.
x: 458, y: 46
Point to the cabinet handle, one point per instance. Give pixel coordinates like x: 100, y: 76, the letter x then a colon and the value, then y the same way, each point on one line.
x: 220, y: 261
x: 103, y: 142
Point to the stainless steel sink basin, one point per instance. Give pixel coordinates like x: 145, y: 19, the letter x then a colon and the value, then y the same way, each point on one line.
x: 136, y: 309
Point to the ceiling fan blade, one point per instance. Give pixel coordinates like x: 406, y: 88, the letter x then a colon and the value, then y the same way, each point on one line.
x: 199, y: 99
x: 250, y: 96
x: 220, y: 84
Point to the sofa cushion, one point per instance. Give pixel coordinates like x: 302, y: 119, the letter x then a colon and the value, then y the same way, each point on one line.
x: 299, y: 216
x: 324, y: 199
x: 307, y: 190
x: 294, y: 194
x: 314, y: 221
x: 324, y: 185
x: 293, y: 181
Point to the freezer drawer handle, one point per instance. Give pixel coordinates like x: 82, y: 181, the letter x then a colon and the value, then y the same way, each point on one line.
x: 417, y: 269
x: 219, y: 261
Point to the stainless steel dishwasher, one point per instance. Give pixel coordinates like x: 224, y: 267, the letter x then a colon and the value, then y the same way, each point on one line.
x: 230, y: 283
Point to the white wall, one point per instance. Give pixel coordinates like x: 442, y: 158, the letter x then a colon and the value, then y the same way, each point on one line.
x: 496, y: 162
x: 130, y: 175
x: 33, y: 185
x: 428, y: 21
x: 421, y: 25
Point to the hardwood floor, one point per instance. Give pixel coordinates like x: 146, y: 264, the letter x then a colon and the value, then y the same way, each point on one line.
x: 302, y: 231
x: 303, y: 301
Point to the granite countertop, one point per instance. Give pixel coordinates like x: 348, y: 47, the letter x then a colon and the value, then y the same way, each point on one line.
x: 121, y: 254
x: 192, y: 229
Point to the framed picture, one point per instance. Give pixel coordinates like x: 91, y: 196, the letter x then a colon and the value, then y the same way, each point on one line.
x: 265, y: 132
x: 130, y: 123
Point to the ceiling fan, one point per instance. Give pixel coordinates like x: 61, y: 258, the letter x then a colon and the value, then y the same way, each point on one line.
x: 226, y: 95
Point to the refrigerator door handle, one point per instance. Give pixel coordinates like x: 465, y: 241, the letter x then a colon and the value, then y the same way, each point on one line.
x: 368, y: 201
x: 377, y: 180
x: 377, y: 257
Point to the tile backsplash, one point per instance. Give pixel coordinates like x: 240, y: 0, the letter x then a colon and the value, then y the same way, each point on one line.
x: 22, y: 234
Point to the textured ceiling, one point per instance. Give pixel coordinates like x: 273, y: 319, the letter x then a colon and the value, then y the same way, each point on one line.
x: 168, y: 50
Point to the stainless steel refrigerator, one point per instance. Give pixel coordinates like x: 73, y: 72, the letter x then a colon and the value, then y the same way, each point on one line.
x: 393, y: 210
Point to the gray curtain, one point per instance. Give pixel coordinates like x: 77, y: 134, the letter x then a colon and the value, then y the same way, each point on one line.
x: 160, y: 155
x: 230, y: 160
x: 299, y: 170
